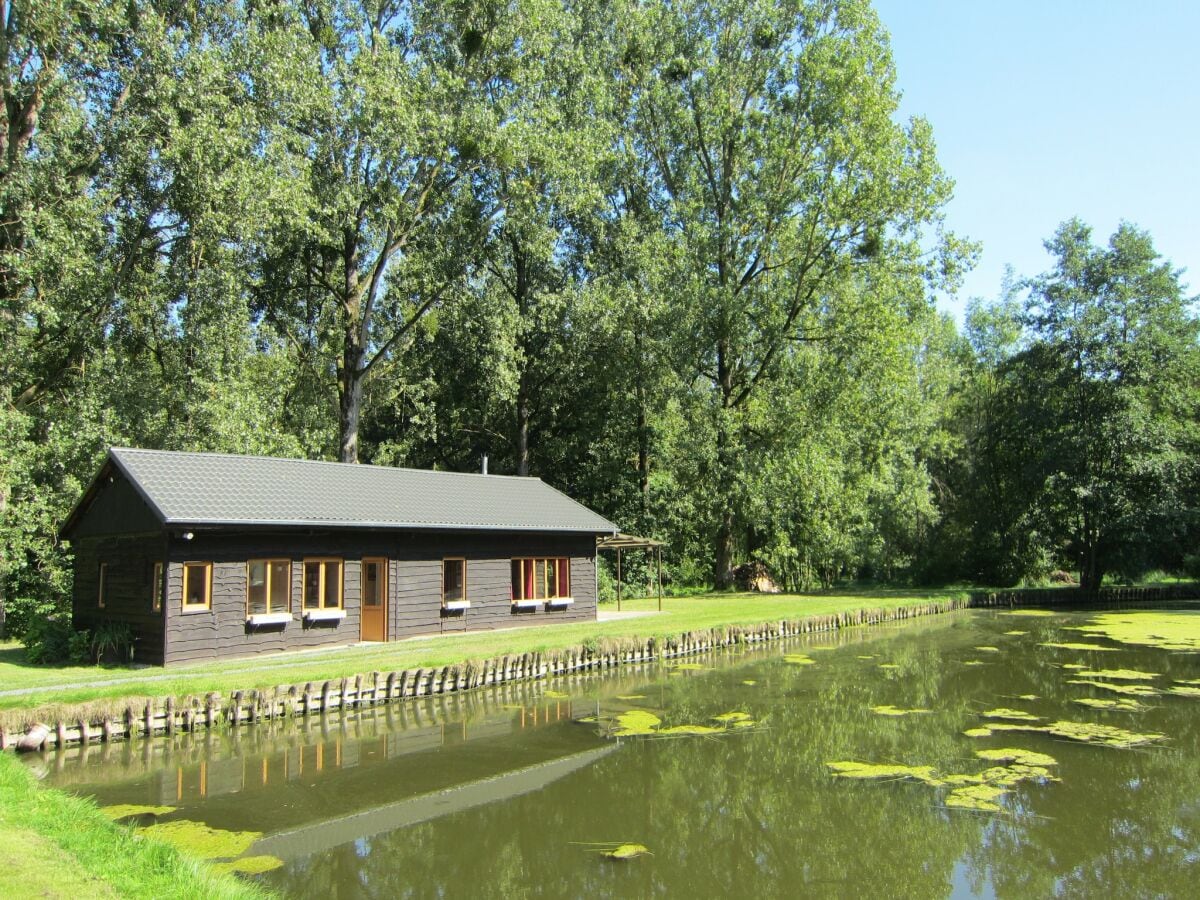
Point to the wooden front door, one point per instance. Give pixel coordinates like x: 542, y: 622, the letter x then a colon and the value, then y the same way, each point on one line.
x: 374, y: 599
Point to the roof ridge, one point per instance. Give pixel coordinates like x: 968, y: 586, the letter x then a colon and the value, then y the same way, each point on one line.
x: 324, y: 462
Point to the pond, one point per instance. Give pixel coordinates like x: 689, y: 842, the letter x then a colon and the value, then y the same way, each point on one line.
x: 1017, y: 755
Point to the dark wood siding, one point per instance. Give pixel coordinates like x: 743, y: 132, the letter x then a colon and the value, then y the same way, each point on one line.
x: 115, y: 508
x: 222, y: 631
x: 414, y: 587
x: 128, y: 590
x: 417, y: 579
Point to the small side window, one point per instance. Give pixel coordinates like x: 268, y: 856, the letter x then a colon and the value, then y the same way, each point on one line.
x: 156, y: 588
x: 102, y: 576
x: 454, y: 580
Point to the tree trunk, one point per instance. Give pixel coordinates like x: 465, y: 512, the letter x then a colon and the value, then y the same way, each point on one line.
x: 523, y: 425
x: 723, y: 550
x: 3, y: 557
x: 1090, y: 573
x: 723, y: 561
x: 350, y: 408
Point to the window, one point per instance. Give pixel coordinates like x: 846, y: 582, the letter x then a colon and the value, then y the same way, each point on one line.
x: 454, y: 580
x: 101, y: 577
x: 322, y: 584
x: 156, y: 588
x: 541, y: 579
x: 374, y: 582
x: 197, y: 585
x: 268, y: 586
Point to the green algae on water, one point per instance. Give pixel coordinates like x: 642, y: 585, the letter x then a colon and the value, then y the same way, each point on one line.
x: 1127, y: 690
x: 1030, y: 613
x: 1014, y: 715
x: 197, y: 839
x: 688, y: 667
x: 976, y: 796
x: 1184, y: 690
x: 888, y: 666
x: 1161, y: 630
x: 974, y: 662
x: 868, y: 771
x: 1068, y: 645
x: 896, y: 711
x: 631, y: 696
x: 1016, y: 633
x: 1121, y: 704
x: 1083, y: 732
x: 989, y: 649
x: 750, y: 682
x: 555, y: 695
x: 1018, y: 756
x: 1119, y: 674
x: 250, y: 865
x: 636, y: 722
x: 799, y: 659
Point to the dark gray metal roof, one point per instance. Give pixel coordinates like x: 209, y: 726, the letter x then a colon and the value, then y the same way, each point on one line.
x: 216, y: 489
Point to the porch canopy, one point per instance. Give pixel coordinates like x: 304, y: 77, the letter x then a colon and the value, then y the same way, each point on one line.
x: 622, y: 542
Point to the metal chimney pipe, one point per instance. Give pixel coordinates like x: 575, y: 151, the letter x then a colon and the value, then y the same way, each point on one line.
x: 485, y: 464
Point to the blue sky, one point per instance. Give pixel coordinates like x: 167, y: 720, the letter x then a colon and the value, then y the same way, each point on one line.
x: 1044, y: 111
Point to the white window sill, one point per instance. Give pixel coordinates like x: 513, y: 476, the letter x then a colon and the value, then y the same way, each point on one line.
x: 560, y: 601
x: 279, y: 618
x: 324, y: 615
x: 526, y: 604
x: 457, y: 604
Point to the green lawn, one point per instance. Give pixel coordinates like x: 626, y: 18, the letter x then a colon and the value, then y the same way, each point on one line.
x: 109, y: 687
x: 56, y: 845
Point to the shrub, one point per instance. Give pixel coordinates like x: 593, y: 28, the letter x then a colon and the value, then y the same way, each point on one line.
x: 22, y: 612
x: 51, y: 641
x: 1191, y: 566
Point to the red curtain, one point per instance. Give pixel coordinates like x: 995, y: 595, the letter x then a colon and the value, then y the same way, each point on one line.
x: 564, y: 578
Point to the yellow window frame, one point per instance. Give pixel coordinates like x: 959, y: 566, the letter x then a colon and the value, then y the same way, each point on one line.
x: 563, y: 561
x: 207, y: 568
x: 268, y: 563
x: 323, y: 561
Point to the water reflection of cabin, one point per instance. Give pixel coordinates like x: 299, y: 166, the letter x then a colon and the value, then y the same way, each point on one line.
x: 208, y: 555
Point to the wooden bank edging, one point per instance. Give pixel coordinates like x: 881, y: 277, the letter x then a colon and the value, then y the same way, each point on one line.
x: 168, y: 716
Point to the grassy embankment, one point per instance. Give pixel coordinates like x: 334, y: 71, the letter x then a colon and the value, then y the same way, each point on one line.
x: 53, y: 844
x: 53, y: 692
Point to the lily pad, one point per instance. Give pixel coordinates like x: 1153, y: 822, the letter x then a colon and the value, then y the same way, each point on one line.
x: 974, y: 662
x: 1016, y: 633
x: 688, y: 667
x: 888, y: 666
x: 631, y: 696
x: 986, y: 649
x: 1028, y: 697
x: 799, y: 659
x: 750, y: 682
x: 555, y: 695
x: 691, y: 729
x: 1073, y: 666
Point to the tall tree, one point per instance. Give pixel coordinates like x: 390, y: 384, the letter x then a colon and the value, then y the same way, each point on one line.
x: 781, y: 173
x: 1114, y: 367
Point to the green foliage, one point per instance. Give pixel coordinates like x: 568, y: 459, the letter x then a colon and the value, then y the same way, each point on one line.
x: 50, y: 641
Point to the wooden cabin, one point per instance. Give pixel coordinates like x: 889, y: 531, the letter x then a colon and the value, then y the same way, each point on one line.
x: 209, y: 556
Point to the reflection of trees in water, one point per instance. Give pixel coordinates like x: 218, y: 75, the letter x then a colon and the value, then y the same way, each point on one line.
x: 758, y: 814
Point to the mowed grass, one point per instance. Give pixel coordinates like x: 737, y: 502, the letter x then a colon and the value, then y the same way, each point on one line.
x: 53, y: 690
x: 53, y: 844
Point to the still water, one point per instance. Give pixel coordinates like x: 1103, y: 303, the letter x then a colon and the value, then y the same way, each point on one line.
x: 506, y: 793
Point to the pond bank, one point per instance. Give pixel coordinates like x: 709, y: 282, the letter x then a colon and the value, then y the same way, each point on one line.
x: 59, y: 845
x: 169, y: 715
